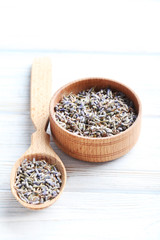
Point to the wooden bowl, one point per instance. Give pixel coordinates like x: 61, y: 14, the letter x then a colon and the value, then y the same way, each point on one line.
x: 95, y: 149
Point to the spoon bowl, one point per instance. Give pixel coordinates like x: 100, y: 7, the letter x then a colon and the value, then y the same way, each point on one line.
x: 51, y: 159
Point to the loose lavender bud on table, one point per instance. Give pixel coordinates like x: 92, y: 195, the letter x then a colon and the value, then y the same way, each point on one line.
x: 37, y: 181
x: 93, y: 113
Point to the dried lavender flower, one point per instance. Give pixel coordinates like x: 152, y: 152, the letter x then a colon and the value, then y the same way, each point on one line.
x: 37, y: 181
x: 93, y: 113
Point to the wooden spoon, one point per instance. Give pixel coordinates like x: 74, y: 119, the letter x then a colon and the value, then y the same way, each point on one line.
x: 40, y: 148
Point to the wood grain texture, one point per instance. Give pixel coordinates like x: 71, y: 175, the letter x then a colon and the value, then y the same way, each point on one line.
x: 97, y: 149
x: 41, y: 85
x: 40, y: 148
x: 113, y: 200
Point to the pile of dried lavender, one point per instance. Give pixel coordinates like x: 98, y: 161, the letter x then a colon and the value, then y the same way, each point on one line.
x: 93, y: 113
x: 37, y: 181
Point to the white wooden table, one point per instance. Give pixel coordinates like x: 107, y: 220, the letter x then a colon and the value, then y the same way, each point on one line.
x: 118, y: 40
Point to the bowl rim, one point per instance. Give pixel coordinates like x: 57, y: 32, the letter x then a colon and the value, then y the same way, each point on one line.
x: 52, y: 115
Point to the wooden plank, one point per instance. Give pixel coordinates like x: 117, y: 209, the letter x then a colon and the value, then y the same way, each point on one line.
x: 17, y: 130
x: 138, y: 72
x: 113, y: 216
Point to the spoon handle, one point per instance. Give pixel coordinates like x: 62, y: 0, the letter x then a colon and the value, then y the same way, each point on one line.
x: 41, y: 80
